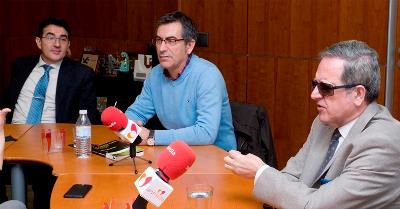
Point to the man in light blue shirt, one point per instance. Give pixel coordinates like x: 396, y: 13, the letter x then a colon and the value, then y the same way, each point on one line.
x: 187, y: 93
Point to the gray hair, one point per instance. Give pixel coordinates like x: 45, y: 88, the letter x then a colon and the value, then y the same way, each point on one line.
x: 189, y: 28
x: 361, y: 65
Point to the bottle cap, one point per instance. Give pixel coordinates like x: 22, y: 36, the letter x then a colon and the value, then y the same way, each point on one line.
x: 82, y: 112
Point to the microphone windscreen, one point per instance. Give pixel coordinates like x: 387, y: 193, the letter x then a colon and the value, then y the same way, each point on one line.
x: 114, y: 118
x: 176, y: 159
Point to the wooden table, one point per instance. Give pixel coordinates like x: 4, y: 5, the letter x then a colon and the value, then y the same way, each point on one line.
x: 116, y: 182
x: 16, y: 131
x: 230, y: 191
x: 209, y: 159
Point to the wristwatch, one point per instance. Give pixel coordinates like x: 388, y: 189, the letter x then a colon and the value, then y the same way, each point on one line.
x: 150, y: 139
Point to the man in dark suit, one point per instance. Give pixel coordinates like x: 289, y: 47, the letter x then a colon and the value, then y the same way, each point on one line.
x: 69, y: 86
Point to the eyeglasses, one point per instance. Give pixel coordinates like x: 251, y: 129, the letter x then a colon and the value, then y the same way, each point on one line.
x: 168, y: 41
x: 51, y: 37
x: 327, y: 89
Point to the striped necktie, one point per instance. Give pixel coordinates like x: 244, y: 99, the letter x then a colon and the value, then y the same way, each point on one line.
x: 36, y: 109
x: 331, y: 151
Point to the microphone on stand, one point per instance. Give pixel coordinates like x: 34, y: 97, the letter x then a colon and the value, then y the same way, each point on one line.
x: 153, y: 184
x: 126, y: 129
x: 117, y: 121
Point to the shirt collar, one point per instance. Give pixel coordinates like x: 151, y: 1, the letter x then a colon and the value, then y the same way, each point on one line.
x: 344, y: 130
x: 55, y: 65
x: 168, y: 76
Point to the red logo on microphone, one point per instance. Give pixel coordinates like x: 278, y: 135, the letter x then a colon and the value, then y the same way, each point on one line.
x: 133, y: 132
x: 160, y: 192
x: 133, y: 127
x: 143, y: 180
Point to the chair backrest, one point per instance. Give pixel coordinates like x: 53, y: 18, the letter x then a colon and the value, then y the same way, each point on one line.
x: 252, y: 130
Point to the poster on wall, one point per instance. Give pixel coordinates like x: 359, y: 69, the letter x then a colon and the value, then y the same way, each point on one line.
x: 142, y: 67
x: 90, y: 60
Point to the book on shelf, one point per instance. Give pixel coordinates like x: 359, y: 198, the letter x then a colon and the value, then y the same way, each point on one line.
x: 115, y: 150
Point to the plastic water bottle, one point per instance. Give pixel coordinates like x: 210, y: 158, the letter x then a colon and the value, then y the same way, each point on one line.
x: 83, y: 135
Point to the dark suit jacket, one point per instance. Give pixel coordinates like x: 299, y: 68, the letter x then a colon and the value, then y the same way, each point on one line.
x: 252, y: 131
x: 75, y: 89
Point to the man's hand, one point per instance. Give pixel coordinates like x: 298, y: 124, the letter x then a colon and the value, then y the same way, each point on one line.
x: 243, y: 165
x: 144, y: 134
x: 3, y: 114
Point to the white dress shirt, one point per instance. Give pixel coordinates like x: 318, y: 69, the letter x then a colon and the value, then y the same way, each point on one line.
x: 25, y: 97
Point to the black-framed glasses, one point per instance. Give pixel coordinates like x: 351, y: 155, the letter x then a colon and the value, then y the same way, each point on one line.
x: 51, y: 37
x: 170, y: 41
x: 327, y: 89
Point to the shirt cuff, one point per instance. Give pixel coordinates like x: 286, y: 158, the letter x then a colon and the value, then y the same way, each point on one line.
x: 259, y: 172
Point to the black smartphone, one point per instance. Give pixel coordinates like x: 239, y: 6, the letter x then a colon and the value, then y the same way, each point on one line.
x: 78, y: 191
x: 10, y: 138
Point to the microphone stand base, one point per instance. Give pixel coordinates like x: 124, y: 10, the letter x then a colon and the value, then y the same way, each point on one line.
x: 132, y: 154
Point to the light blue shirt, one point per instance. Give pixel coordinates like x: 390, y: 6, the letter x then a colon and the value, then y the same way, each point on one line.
x: 194, y: 107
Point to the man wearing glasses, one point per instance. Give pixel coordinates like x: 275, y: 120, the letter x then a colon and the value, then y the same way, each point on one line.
x: 48, y: 88
x: 351, y: 156
x: 187, y: 93
x: 70, y: 85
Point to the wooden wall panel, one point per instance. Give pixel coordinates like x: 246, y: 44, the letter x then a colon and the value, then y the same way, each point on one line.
x: 2, y: 19
x: 351, y: 20
x: 291, y: 107
x: 2, y: 52
x: 142, y: 20
x: 224, y: 20
x: 18, y: 37
x: 381, y: 98
x: 301, y: 28
x: 270, y: 27
x: 261, y: 79
x: 366, y: 21
x: 15, y: 47
x: 94, y: 18
x: 257, y: 26
x: 164, y: 6
x: 312, y: 110
x: 77, y: 45
x: 297, y: 30
x: 326, y: 24
x: 234, y: 70
x: 375, y: 26
x: 4, y: 75
x: 396, y: 85
x: 21, y: 15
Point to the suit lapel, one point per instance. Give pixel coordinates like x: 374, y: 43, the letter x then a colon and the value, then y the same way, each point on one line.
x: 27, y: 69
x: 22, y: 73
x: 318, y: 151
x: 358, y: 127
x: 62, y: 81
x: 363, y: 120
